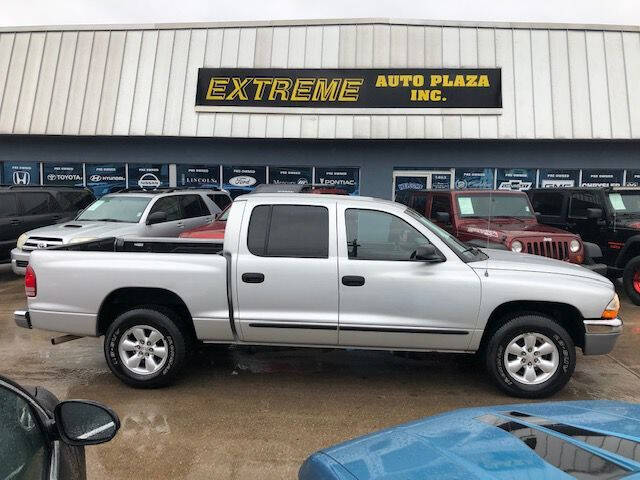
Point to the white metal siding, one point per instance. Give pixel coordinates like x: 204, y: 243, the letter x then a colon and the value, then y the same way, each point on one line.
x: 557, y: 83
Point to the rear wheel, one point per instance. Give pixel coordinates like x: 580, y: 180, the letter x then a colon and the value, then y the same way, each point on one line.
x: 531, y: 356
x: 631, y: 279
x: 146, y: 348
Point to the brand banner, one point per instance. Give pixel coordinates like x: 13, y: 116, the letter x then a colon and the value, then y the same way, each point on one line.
x: 346, y: 178
x: 148, y: 176
x: 394, y: 90
x: 633, y: 178
x: 299, y: 175
x: 239, y: 180
x: 200, y: 176
x: 602, y: 178
x: 70, y: 174
x: 555, y: 178
x: 21, y: 173
x: 467, y: 178
x: 105, y: 178
x: 516, y: 178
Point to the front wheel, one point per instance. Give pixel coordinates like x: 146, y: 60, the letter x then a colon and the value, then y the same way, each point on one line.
x: 631, y: 279
x: 531, y: 356
x: 145, y: 348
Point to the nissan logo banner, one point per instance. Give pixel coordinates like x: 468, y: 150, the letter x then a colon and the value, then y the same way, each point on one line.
x: 398, y: 90
x: 63, y: 174
x: 148, y: 176
x: 18, y: 173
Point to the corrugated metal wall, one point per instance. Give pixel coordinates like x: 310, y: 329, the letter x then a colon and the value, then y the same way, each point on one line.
x: 561, y: 84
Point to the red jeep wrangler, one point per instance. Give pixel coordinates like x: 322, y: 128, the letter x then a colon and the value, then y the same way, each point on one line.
x: 499, y: 219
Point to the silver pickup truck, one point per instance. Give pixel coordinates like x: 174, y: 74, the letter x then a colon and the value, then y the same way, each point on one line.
x: 324, y: 271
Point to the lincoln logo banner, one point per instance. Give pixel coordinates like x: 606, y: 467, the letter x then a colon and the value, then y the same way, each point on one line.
x: 362, y: 90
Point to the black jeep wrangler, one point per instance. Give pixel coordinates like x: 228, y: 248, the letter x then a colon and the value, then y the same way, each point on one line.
x: 606, y: 216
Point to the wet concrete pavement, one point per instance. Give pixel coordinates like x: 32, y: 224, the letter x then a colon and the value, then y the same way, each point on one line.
x: 258, y: 413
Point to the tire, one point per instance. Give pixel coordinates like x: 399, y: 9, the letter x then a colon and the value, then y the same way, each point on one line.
x: 153, y: 370
x: 546, y: 383
x: 631, y: 279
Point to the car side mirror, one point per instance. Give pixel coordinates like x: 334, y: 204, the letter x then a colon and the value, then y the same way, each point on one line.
x: 427, y: 253
x: 594, y: 213
x: 156, y: 217
x: 81, y: 422
x: 443, y: 217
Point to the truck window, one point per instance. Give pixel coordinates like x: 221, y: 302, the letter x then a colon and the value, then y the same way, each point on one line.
x: 580, y: 202
x: 192, y: 206
x: 37, y: 203
x: 8, y: 205
x: 220, y: 200
x: 375, y: 235
x: 299, y: 231
x: 440, y: 203
x: 419, y: 203
x: 169, y: 205
x: 75, y: 200
x: 548, y: 203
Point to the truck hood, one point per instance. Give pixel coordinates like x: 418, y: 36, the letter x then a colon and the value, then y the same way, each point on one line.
x: 69, y: 230
x: 513, y: 228
x: 507, y: 260
x: 554, y: 440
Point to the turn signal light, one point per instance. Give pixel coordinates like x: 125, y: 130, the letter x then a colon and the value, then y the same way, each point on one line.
x: 30, y: 287
x: 611, y: 311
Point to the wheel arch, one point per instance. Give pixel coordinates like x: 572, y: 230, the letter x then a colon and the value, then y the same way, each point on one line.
x: 631, y: 249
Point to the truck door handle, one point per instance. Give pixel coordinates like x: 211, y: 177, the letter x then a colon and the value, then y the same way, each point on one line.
x: 353, y: 281
x: 15, y: 222
x: 253, y: 277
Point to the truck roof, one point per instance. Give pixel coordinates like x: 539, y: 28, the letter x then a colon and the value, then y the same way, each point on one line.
x: 296, y: 197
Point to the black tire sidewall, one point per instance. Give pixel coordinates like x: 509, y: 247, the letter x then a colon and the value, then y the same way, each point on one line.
x: 627, y: 279
x: 535, y: 324
x: 175, y: 339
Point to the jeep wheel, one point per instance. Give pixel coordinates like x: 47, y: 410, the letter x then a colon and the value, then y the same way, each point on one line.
x: 145, y: 348
x: 631, y: 279
x: 531, y: 356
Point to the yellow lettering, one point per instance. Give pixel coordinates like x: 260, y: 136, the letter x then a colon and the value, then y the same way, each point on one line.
x: 405, y: 80
x: 458, y: 81
x: 418, y: 80
x: 302, y: 89
x: 217, y: 88
x: 394, y: 80
x: 350, y: 89
x: 413, y: 95
x: 423, y: 95
x: 260, y: 84
x: 483, y: 81
x: 472, y: 80
x: 280, y: 87
x: 381, y: 81
x: 239, y: 89
x: 436, y: 80
x: 436, y: 95
x: 326, y: 90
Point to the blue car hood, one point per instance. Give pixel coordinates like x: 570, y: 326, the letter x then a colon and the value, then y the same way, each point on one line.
x: 559, y: 440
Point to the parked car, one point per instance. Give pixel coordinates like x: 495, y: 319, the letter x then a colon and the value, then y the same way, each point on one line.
x: 158, y: 213
x: 213, y: 230
x: 558, y: 440
x: 23, y: 208
x: 41, y: 437
x: 609, y: 217
x: 324, y: 271
x: 501, y: 219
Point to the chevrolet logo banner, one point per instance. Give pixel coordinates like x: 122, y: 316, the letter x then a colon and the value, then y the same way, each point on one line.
x: 318, y: 90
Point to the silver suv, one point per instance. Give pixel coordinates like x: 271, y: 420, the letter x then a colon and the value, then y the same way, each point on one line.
x: 158, y: 213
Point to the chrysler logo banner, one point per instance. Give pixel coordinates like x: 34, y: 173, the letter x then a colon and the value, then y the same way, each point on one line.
x: 398, y: 90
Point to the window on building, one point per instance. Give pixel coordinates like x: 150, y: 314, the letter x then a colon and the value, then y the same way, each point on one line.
x: 300, y: 231
x: 547, y: 203
x: 580, y: 202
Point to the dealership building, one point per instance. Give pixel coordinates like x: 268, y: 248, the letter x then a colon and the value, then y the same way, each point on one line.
x: 373, y: 106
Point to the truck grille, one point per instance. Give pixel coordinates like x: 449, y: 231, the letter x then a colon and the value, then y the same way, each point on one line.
x: 557, y: 250
x: 33, y: 243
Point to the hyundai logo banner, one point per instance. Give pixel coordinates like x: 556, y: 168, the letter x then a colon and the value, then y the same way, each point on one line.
x: 105, y: 178
x: 63, y: 174
x: 239, y: 180
x: 19, y: 173
x: 299, y: 175
x: 201, y: 176
x: 345, y: 178
x: 148, y: 176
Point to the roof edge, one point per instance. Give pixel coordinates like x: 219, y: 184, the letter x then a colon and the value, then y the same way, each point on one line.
x: 315, y: 22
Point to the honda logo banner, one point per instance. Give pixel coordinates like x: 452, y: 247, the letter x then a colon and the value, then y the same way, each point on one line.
x: 148, y: 176
x: 200, y: 176
x: 344, y: 178
x: 70, y: 174
x: 21, y: 173
x: 106, y: 178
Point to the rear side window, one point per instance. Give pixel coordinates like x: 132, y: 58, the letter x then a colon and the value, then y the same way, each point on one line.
x: 37, y: 203
x: 220, y: 200
x: 548, y: 203
x: 8, y: 205
x: 300, y: 231
x: 193, y: 206
x: 169, y: 205
x: 580, y: 202
x: 440, y: 203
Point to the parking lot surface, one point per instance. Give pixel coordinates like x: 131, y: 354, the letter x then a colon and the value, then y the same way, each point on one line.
x: 258, y: 413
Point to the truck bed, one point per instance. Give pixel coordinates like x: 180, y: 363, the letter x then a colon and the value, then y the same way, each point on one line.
x: 149, y: 245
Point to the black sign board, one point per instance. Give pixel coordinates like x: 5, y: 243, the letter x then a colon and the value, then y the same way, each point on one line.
x: 200, y: 176
x: 148, y: 176
x: 299, y: 175
x: 21, y: 173
x: 63, y: 174
x: 344, y: 178
x: 601, y: 178
x: 105, y: 178
x: 394, y: 89
x: 633, y: 178
x: 238, y: 180
x: 558, y: 178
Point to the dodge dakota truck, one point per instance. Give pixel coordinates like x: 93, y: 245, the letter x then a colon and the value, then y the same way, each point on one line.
x: 323, y: 271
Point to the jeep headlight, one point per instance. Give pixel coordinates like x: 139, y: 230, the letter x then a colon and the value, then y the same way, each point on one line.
x: 516, y: 246
x: 574, y: 246
x: 22, y: 239
x: 81, y: 239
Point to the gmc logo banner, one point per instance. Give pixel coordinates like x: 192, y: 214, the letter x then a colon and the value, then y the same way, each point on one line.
x: 318, y: 90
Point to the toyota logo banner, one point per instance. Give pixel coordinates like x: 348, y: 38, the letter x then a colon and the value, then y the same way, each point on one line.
x: 106, y: 178
x: 70, y: 174
x: 21, y: 173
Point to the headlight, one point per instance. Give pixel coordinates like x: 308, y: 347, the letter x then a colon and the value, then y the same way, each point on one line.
x: 611, y: 310
x: 574, y: 246
x: 22, y: 239
x: 516, y: 246
x: 81, y: 239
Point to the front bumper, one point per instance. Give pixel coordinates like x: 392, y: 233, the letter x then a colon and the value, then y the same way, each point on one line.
x: 601, y: 335
x: 19, y: 261
x: 21, y: 317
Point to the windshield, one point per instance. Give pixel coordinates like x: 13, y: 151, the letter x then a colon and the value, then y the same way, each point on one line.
x: 116, y: 209
x: 625, y: 202
x: 466, y: 253
x: 488, y: 205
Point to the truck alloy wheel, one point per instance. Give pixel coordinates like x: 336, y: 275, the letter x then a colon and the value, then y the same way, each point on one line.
x: 143, y: 350
x: 531, y: 358
x: 631, y: 279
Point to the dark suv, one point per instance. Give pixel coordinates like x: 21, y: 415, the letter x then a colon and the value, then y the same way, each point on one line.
x: 609, y: 217
x: 23, y: 208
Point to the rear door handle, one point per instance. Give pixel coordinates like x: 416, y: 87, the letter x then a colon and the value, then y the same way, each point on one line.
x: 253, y: 277
x: 180, y: 225
x: 353, y: 281
x: 15, y: 222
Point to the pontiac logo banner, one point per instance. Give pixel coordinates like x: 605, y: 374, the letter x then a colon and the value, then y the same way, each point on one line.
x: 317, y: 90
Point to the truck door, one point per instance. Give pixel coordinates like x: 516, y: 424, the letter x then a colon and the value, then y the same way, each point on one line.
x: 389, y: 300
x: 286, y: 274
x: 173, y: 225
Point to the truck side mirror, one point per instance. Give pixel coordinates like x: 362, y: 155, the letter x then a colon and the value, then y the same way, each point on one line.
x: 427, y: 253
x: 443, y: 217
x: 156, y: 217
x: 594, y: 213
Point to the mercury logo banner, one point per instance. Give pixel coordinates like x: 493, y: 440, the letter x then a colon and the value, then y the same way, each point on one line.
x: 393, y: 90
